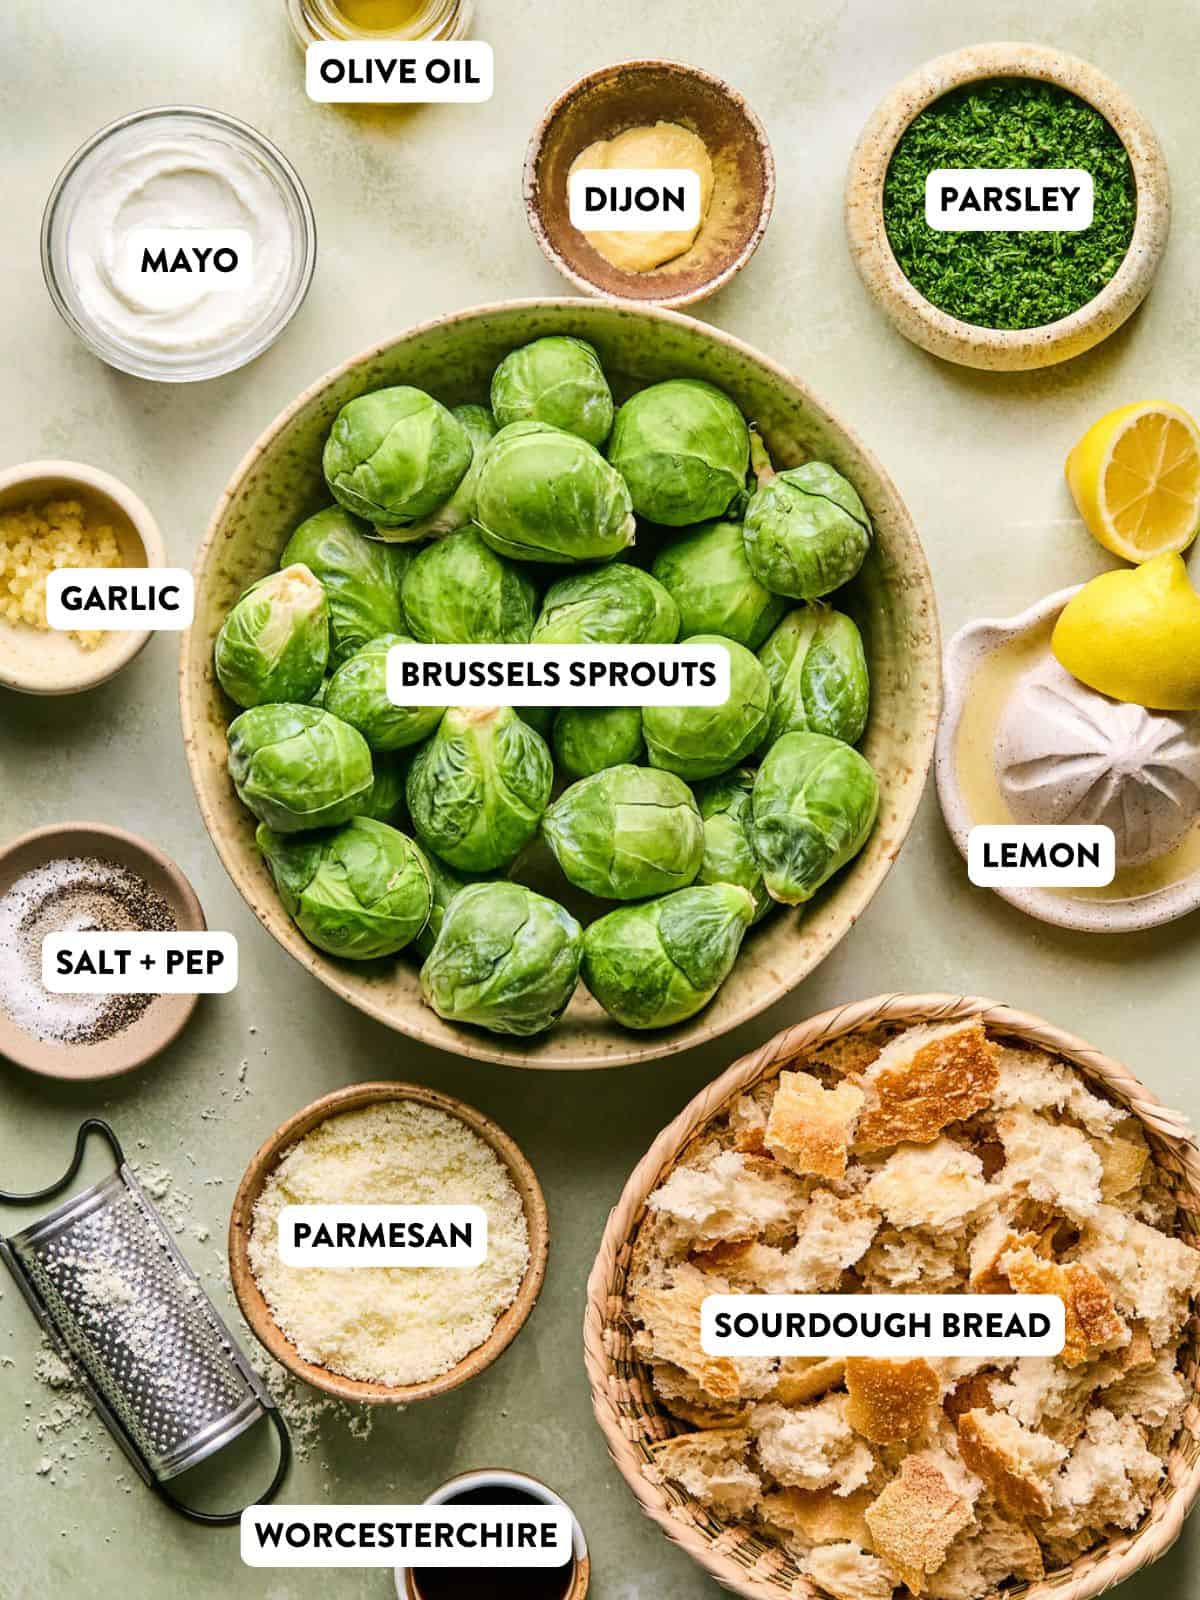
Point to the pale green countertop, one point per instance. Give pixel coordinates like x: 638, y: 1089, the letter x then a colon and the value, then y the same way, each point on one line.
x: 419, y: 212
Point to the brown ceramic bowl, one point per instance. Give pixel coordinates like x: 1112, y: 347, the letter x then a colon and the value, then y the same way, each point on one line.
x: 1005, y: 349
x: 258, y: 1313
x: 280, y: 483
x: 166, y: 1015
x: 630, y: 95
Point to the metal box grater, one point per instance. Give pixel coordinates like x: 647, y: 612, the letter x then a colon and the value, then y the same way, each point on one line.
x: 106, y: 1281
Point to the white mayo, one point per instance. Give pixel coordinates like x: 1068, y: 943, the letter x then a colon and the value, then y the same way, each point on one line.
x: 179, y: 179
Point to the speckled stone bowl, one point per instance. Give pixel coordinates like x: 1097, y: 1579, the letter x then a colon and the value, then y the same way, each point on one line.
x: 279, y: 483
x: 965, y: 654
x: 1005, y: 350
x: 629, y: 94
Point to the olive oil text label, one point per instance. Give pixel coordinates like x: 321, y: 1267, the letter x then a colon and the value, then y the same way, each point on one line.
x: 359, y: 71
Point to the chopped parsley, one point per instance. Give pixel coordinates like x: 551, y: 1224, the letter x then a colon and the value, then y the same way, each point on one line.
x: 1009, y: 280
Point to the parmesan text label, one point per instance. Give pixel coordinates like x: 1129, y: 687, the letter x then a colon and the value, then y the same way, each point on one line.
x: 340, y: 1236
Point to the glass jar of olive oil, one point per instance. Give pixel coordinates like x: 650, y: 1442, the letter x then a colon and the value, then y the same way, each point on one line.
x: 379, y: 19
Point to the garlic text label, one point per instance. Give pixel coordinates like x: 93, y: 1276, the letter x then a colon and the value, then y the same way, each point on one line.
x: 1009, y: 199
x: 116, y: 599
x: 402, y: 73
x: 634, y: 199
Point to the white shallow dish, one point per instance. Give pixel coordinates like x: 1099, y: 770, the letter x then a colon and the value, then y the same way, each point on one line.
x: 965, y: 654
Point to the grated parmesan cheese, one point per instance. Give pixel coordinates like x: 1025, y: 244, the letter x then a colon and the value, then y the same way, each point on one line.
x: 391, y: 1325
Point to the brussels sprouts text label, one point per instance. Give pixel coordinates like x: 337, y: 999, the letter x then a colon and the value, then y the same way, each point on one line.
x: 338, y: 1237
x: 1009, y: 199
x: 558, y: 675
x: 430, y: 1536
x: 1027, y: 856
x: 169, y: 265
x: 897, y: 1325
x: 634, y: 199
x: 139, y: 963
x: 402, y: 73
x: 113, y: 599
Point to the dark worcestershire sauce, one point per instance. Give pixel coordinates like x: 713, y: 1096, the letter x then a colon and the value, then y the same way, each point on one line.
x: 478, y: 1583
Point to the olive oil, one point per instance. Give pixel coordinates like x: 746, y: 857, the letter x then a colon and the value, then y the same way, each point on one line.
x: 379, y: 16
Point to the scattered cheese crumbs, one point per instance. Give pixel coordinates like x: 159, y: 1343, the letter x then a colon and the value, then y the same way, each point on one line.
x: 37, y: 540
x: 383, y: 1324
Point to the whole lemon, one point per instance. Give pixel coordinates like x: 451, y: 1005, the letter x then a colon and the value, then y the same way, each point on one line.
x: 1135, y: 635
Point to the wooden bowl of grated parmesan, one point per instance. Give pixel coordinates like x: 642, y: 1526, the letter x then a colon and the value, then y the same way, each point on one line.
x: 394, y: 1334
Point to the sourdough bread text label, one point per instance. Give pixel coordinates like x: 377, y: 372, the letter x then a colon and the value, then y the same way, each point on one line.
x: 893, y: 1325
x: 399, y: 73
x: 558, y: 675
x: 139, y: 963
x: 1009, y: 199
x: 340, y: 1237
x: 1073, y: 855
x: 427, y: 1536
x: 635, y: 199
x: 117, y: 599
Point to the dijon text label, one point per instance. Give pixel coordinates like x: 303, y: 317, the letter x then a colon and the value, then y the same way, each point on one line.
x: 558, y: 675
x: 401, y: 73
x: 340, y: 1237
x: 635, y: 199
x: 114, y: 599
x: 1009, y: 199
x: 895, y: 1325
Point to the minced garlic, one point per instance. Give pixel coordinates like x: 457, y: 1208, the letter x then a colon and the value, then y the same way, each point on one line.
x: 391, y: 1325
x: 35, y: 541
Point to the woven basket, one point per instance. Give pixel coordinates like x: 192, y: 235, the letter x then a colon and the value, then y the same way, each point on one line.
x: 632, y: 1418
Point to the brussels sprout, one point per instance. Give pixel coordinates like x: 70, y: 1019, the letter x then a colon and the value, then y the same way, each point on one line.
x: 728, y: 853
x: 445, y: 883
x: 297, y: 767
x: 588, y: 739
x: 274, y: 645
x: 360, y: 892
x: 626, y: 833
x: 361, y: 579
x: 478, y: 788
x: 818, y: 671
x: 385, y: 802
x: 660, y: 962
x: 683, y: 448
x: 506, y: 959
x: 814, y: 805
x: 710, y: 581
x: 704, y: 741
x: 546, y: 495
x: 557, y: 380
x: 317, y: 698
x: 358, y: 694
x: 806, y: 532
x: 395, y: 455
x: 617, y: 604
x: 540, y: 718
x: 459, y: 510
x: 459, y: 591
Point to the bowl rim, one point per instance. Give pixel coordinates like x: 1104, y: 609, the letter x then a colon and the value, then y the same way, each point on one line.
x: 640, y: 1047
x: 141, y: 519
x: 1112, y: 1563
x: 971, y: 344
x: 531, y: 191
x: 38, y: 1057
x: 965, y: 653
x: 266, y: 1158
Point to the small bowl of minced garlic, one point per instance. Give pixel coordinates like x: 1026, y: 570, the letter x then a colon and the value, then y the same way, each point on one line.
x: 645, y: 116
x: 392, y: 1332
x: 56, y: 514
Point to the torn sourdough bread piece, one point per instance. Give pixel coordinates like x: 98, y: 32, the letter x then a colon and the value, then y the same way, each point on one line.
x: 929, y: 1160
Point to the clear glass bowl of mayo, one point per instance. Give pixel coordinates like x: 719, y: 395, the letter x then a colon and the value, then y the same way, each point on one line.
x: 178, y: 243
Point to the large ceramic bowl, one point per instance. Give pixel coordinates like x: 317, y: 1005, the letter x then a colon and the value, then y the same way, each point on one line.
x: 279, y: 483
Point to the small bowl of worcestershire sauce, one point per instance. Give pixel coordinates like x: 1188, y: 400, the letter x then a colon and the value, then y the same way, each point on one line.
x: 499, y: 1487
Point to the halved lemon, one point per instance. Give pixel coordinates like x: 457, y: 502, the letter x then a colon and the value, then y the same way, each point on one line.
x: 1135, y: 476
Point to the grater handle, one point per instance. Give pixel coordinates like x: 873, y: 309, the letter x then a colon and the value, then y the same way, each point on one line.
x: 217, y: 1519
x: 90, y: 1125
